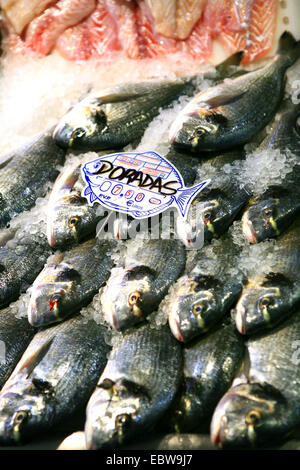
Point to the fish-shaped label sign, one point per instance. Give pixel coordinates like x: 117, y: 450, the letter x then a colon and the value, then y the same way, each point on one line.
x: 138, y: 184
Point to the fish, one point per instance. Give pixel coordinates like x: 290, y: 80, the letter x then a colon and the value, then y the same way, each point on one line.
x: 26, y: 174
x: 209, y: 367
x: 220, y: 203
x: 136, y: 388
x: 15, y: 336
x: 146, y: 184
x: 269, y: 214
x: 140, y: 280
x: 54, y: 378
x: 206, y: 291
x: 68, y: 281
x: 262, y: 407
x: 272, y: 290
x: 117, y: 116
x: 70, y: 218
x: 234, y: 111
x: 23, y: 252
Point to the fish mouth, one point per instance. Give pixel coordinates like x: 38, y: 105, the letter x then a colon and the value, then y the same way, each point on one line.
x: 62, y: 135
x: 239, y: 319
x: 248, y: 229
x: 175, y: 327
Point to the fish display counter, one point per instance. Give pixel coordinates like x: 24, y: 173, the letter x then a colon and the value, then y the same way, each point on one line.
x: 149, y: 224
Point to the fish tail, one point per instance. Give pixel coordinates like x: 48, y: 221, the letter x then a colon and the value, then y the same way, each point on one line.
x: 288, y: 48
x: 185, y: 196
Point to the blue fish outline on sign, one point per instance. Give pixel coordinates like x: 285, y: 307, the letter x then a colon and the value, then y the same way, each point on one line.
x: 141, y: 184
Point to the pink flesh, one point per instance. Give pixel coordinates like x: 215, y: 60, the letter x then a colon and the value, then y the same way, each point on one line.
x: 44, y: 31
x: 84, y: 29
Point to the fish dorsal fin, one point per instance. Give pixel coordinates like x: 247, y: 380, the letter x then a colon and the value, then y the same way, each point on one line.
x: 233, y: 60
x: 119, y: 97
x: 224, y: 99
x: 33, y: 360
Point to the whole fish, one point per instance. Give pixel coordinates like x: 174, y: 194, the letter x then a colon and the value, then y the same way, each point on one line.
x: 140, y: 280
x: 15, y: 335
x: 117, y: 116
x: 262, y: 408
x: 210, y: 365
x: 207, y: 290
x: 270, y: 213
x: 273, y: 286
x: 69, y: 280
x: 232, y: 112
x: 54, y: 378
x: 120, y: 115
x: 218, y: 204
x: 136, y: 387
x: 26, y: 173
x: 23, y: 252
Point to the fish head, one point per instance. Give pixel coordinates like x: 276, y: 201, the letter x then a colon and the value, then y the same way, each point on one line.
x: 264, y: 304
x: 20, y: 415
x: 195, y: 307
x: 267, y: 218
x: 82, y: 127
x: 114, y: 412
x: 54, y: 296
x: 214, y: 210
x: 70, y: 222
x: 129, y: 296
x: 250, y: 416
x: 198, y: 131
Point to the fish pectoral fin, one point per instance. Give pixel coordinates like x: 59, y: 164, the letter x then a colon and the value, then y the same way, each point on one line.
x: 31, y: 362
x: 119, y: 97
x: 68, y: 274
x: 43, y: 386
x: 224, y: 99
x: 134, y: 389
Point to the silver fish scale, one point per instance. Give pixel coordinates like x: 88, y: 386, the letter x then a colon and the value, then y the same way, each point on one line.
x: 272, y: 359
x: 27, y: 174
x: 148, y: 357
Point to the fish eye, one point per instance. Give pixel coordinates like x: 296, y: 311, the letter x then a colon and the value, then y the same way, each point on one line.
x: 77, y: 133
x: 197, y: 308
x: 253, y: 417
x: 200, y: 131
x: 134, y: 297
x: 123, y: 420
x: 264, y: 302
x: 73, y: 221
x: 54, y: 299
x: 21, y: 416
x: 268, y: 212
